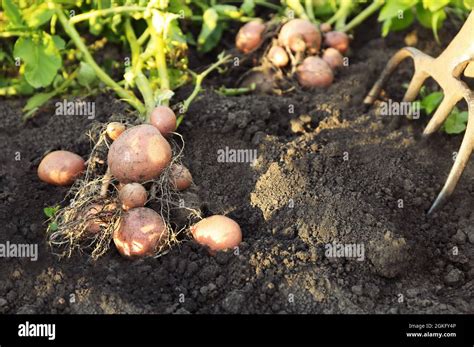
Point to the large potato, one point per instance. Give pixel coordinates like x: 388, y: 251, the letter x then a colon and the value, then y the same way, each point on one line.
x: 140, y: 232
x: 217, y: 233
x: 300, y: 29
x: 60, y: 168
x: 139, y: 154
x: 249, y: 36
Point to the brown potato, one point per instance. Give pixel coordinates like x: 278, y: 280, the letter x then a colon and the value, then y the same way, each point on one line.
x: 337, y: 40
x: 333, y: 57
x: 132, y: 195
x: 60, y: 168
x: 249, y: 36
x: 140, y: 233
x: 97, y: 216
x: 300, y: 29
x: 114, y: 130
x: 217, y: 233
x: 139, y: 154
x: 164, y: 119
x: 278, y: 56
x: 314, y: 72
x: 181, y: 178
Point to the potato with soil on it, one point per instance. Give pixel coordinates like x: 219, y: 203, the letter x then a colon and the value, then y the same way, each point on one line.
x: 333, y: 57
x: 132, y: 195
x: 140, y: 233
x: 337, y: 40
x: 114, y: 130
x: 139, y: 154
x: 98, y: 216
x: 164, y: 119
x: 60, y: 168
x: 297, y: 30
x: 181, y: 178
x: 249, y: 36
x: 314, y: 72
x: 217, y: 232
x: 278, y: 56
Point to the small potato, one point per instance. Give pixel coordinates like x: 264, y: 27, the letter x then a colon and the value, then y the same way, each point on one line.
x: 314, y: 72
x: 114, y: 130
x: 249, y: 36
x: 140, y: 233
x: 132, y: 195
x: 278, y: 56
x: 139, y: 154
x: 337, y: 40
x: 181, y: 177
x: 97, y: 216
x: 333, y: 57
x: 60, y: 168
x: 296, y: 29
x: 164, y: 119
x: 217, y: 233
x: 325, y: 27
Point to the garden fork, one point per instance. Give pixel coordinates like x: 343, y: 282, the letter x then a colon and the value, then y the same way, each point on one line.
x: 446, y: 70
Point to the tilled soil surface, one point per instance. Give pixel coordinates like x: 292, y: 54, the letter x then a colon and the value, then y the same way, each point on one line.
x: 327, y: 172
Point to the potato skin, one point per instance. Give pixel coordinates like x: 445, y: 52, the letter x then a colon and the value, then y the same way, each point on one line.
x: 140, y: 232
x: 164, y: 119
x: 181, y: 178
x: 300, y: 29
x: 278, y: 56
x: 94, y: 223
x: 314, y: 72
x: 139, y: 154
x: 249, y: 36
x: 60, y: 168
x: 114, y: 130
x: 333, y: 57
x: 132, y: 195
x: 337, y: 40
x: 217, y: 233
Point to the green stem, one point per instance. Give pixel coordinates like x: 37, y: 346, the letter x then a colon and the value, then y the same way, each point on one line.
x: 198, y: 85
x: 341, y: 14
x: 143, y: 37
x: 106, y: 12
x: 310, y: 10
x: 296, y: 6
x: 101, y: 74
x: 362, y: 16
x: 145, y: 89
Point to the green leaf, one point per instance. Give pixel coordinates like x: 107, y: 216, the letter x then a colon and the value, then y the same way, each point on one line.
x: 398, y: 23
x: 53, y: 226
x: 41, y: 58
x: 456, y: 122
x: 210, y: 31
x: 435, y: 5
x: 12, y: 12
x: 248, y: 7
x: 36, y: 16
x: 394, y: 8
x: 469, y: 4
x: 430, y: 102
x: 86, y: 74
x: 59, y: 42
x: 35, y: 102
x: 229, y: 11
x: 50, y: 211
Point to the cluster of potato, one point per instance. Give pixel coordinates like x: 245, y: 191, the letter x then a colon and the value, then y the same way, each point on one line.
x: 315, y: 53
x: 139, y: 154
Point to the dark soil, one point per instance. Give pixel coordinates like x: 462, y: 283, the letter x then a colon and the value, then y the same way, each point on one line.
x: 329, y: 172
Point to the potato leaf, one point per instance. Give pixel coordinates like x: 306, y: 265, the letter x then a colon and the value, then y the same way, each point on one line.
x: 456, y: 122
x: 211, y: 31
x: 37, y: 15
x: 435, y: 5
x: 394, y: 8
x: 12, y: 12
x: 430, y: 102
x: 248, y: 7
x: 41, y: 58
x: 86, y: 75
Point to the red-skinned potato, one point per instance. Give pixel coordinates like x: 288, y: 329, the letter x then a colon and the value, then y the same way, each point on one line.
x: 60, y: 168
x: 217, y: 233
x: 181, y: 177
x: 97, y: 216
x: 337, y: 40
x: 314, y: 72
x: 333, y: 57
x: 278, y: 56
x: 300, y: 29
x: 164, y: 119
x: 140, y: 233
x: 132, y: 195
x: 325, y: 27
x: 114, y: 130
x: 249, y: 36
x: 139, y: 154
